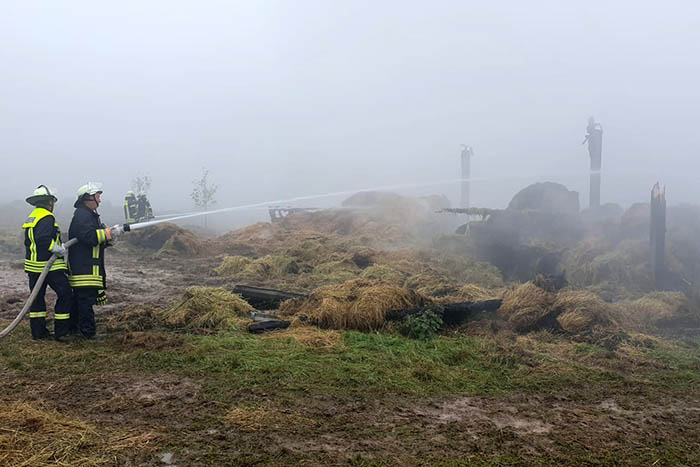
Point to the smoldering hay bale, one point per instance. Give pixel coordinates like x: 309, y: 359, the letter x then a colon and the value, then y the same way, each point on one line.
x: 199, y: 310
x: 358, y: 304
x: 526, y: 306
x: 658, y: 311
x: 207, y: 308
x: 581, y: 310
x: 166, y: 239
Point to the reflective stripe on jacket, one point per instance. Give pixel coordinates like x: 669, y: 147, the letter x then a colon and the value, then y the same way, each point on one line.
x: 86, y: 258
x: 41, y: 233
x: 131, y: 209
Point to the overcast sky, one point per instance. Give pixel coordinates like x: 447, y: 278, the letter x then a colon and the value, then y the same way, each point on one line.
x: 289, y: 98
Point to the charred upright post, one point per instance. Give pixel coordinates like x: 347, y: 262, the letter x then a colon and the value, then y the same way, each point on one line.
x: 594, y: 138
x: 466, y: 160
x: 658, y: 237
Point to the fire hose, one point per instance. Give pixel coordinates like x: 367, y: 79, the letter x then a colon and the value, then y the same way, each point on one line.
x: 37, y: 286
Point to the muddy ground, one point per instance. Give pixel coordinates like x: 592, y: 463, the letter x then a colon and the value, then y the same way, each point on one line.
x: 186, y: 401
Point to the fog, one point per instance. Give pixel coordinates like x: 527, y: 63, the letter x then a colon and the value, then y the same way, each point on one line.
x: 282, y: 99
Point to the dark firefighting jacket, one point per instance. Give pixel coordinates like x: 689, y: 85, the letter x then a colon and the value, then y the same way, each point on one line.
x: 145, y: 212
x: 87, y: 258
x: 41, y: 233
x: 131, y: 208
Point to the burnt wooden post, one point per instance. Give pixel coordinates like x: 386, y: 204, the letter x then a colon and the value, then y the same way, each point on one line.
x: 594, y: 137
x: 466, y: 160
x: 657, y: 237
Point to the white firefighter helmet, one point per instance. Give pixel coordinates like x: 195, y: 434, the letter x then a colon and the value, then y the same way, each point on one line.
x: 89, y: 189
x: 42, y: 194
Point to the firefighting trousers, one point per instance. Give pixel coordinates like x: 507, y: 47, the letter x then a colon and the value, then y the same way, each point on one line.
x: 84, y: 299
x: 58, y: 281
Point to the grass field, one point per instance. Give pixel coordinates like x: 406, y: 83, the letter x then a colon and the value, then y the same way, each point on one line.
x: 322, y: 397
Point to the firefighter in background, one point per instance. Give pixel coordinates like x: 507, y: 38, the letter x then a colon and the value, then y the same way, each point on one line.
x: 145, y: 212
x: 87, y: 261
x: 42, y: 238
x: 130, y: 207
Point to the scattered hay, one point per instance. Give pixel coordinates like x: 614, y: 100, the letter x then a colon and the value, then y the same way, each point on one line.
x: 432, y: 283
x: 474, y: 293
x: 232, y: 265
x: 658, y: 312
x: 252, y: 419
x: 267, y: 267
x: 247, y: 419
x: 271, y: 267
x: 527, y: 306
x: 32, y: 434
x: 208, y: 308
x: 384, y: 273
x: 334, y: 272
x: 201, y: 309
x: 137, y: 318
x: 308, y: 336
x: 358, y: 304
x: 581, y: 311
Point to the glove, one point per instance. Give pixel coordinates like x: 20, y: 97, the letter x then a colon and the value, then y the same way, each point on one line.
x: 59, y: 250
x: 116, y: 231
x: 101, y: 297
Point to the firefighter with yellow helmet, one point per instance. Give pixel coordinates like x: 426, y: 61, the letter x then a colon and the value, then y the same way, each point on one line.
x: 87, y: 262
x: 42, y: 238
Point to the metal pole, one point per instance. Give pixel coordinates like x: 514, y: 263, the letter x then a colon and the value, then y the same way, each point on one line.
x: 594, y: 137
x: 657, y: 237
x: 466, y: 162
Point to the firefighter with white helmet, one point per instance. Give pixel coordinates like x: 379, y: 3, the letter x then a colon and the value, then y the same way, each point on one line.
x: 42, y: 239
x: 87, y: 267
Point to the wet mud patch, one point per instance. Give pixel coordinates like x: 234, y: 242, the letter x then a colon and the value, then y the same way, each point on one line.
x: 528, y: 427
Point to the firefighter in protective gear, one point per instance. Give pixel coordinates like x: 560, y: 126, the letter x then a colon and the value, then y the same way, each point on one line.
x: 145, y: 212
x: 42, y: 238
x: 131, y: 207
x: 87, y: 266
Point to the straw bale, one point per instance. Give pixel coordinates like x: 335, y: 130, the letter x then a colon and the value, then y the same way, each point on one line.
x: 621, y: 269
x: 358, y: 304
x: 207, y: 309
x: 580, y: 311
x: 527, y: 305
x: 658, y: 311
x: 166, y: 239
x: 33, y: 434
